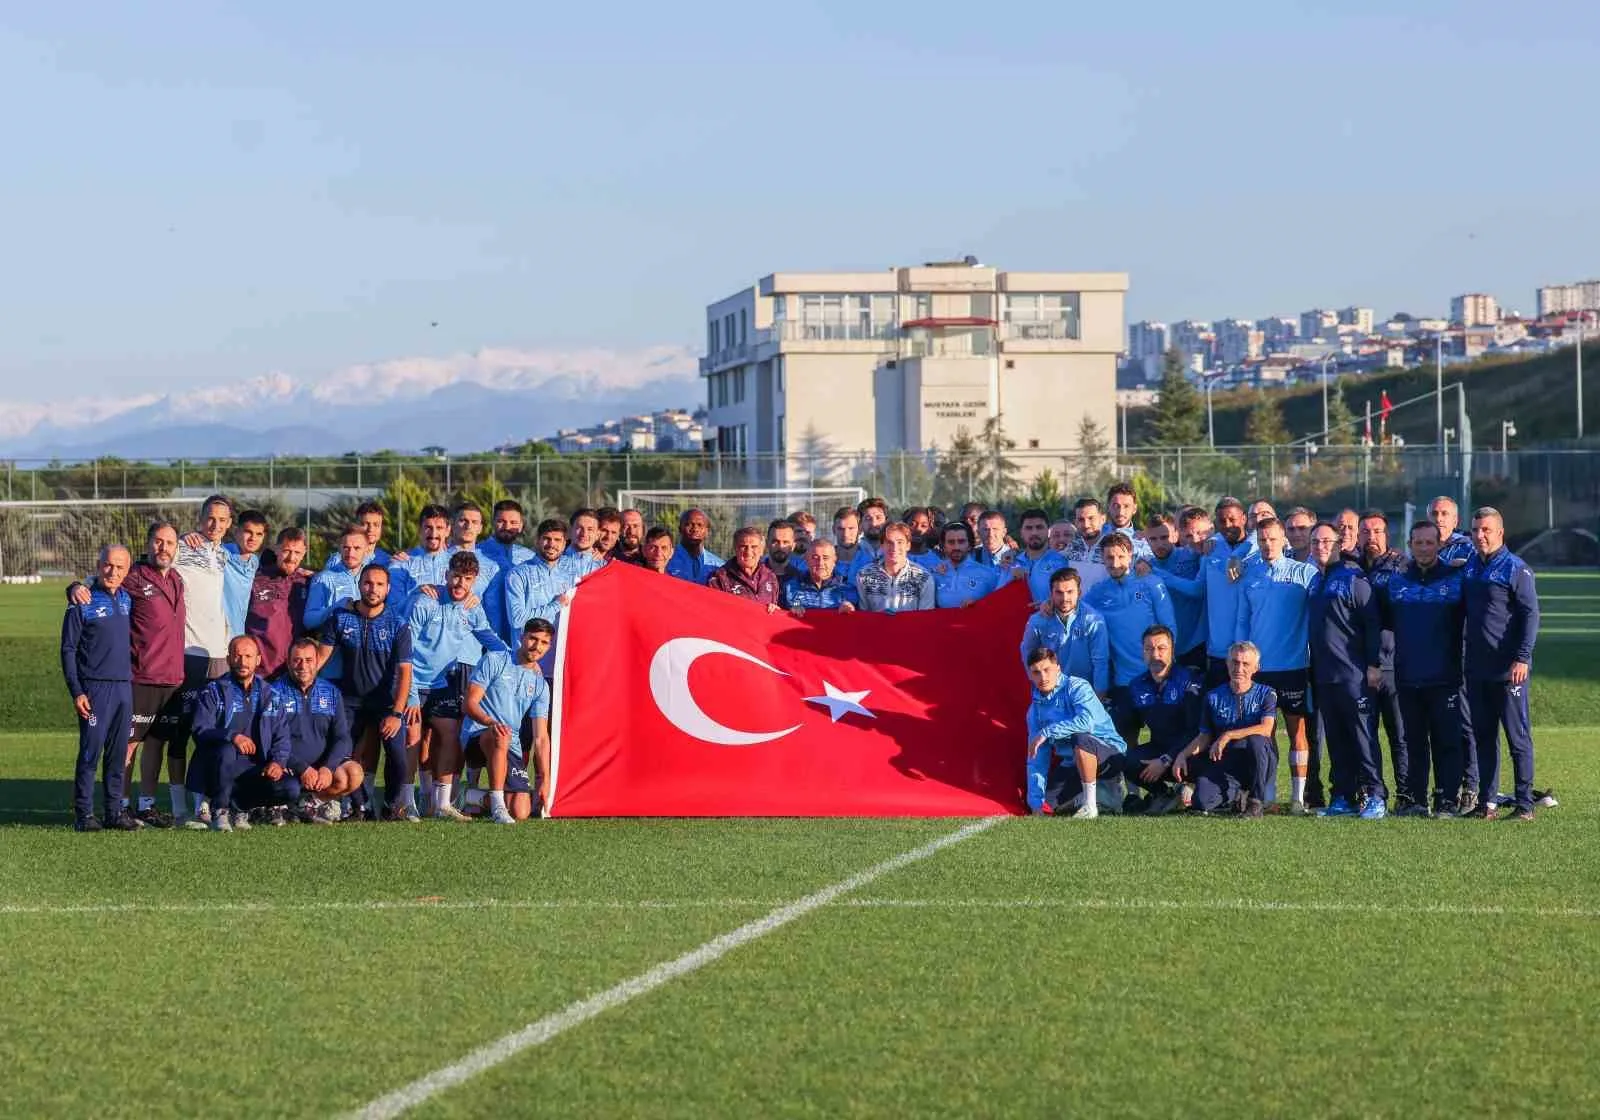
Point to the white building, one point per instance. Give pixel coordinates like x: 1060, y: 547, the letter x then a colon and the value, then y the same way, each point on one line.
x: 1315, y: 322
x: 1558, y: 299
x: 1238, y: 341
x: 904, y: 359
x: 1361, y: 318
x: 1148, y: 342
x: 1474, y: 310
x: 1197, y: 341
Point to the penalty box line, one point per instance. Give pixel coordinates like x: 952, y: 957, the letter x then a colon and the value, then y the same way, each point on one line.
x: 551, y: 1026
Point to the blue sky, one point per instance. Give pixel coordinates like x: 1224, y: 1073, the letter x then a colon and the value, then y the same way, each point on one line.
x: 195, y: 192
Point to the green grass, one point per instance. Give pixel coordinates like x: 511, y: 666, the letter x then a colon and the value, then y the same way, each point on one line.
x: 1170, y: 967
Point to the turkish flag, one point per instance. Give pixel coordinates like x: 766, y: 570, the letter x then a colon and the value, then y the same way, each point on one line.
x: 674, y: 700
x: 1384, y: 407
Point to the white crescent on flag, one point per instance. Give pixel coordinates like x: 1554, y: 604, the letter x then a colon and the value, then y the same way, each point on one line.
x: 669, y: 688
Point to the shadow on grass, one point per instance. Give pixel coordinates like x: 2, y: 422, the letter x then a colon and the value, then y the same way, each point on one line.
x: 36, y: 801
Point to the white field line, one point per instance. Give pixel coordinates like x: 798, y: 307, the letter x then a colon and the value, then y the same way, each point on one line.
x: 1228, y: 905
x: 537, y: 1033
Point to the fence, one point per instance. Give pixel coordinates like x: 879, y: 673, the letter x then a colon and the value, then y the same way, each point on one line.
x: 1537, y: 489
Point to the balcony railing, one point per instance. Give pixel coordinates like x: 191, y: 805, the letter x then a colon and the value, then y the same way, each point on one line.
x: 1039, y: 330
x: 835, y: 330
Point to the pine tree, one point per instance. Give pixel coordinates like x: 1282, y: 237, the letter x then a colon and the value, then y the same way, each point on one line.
x: 1094, y: 463
x: 1044, y: 492
x: 1264, y: 426
x: 1341, y: 421
x: 1179, y: 418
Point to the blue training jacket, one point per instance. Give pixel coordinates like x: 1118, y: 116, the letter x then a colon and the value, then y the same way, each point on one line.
x: 1169, y: 710
x: 1502, y: 615
x: 1080, y: 640
x: 1426, y: 607
x: 1130, y: 606
x: 1222, y: 593
x: 1272, y: 612
x: 1344, y: 626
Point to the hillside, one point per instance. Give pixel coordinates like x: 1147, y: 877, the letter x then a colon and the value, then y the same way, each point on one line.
x: 1538, y: 394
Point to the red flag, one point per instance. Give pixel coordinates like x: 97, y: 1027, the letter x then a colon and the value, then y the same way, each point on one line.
x: 1384, y: 407
x: 676, y: 700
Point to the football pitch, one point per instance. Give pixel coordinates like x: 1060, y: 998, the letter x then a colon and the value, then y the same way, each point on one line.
x: 840, y: 967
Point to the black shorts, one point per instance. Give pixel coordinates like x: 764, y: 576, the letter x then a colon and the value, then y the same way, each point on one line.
x: 1103, y: 751
x: 1293, y: 687
x: 472, y: 752
x: 445, y: 701
x: 152, y: 704
x: 198, y: 671
x: 365, y: 715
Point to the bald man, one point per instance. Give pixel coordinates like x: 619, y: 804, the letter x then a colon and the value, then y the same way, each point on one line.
x: 97, y: 662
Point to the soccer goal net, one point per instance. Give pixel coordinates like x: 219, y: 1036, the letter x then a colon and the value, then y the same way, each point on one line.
x: 730, y: 510
x: 64, y: 537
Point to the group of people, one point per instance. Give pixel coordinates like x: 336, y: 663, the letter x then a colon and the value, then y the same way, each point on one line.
x: 1197, y: 632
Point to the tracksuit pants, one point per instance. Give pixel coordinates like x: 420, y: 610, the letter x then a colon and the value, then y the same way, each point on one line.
x: 393, y: 748
x: 1349, y: 720
x: 230, y: 780
x: 1469, y: 740
x: 1053, y: 777
x: 1432, y: 715
x: 1135, y: 760
x: 103, y: 735
x: 1496, y: 705
x: 1249, y: 764
x: 1385, y: 706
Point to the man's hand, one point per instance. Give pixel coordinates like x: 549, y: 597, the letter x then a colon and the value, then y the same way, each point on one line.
x: 1374, y: 677
x: 429, y: 590
x: 1141, y: 568
x: 1045, y: 609
x: 1035, y: 743
x: 273, y: 771
x: 772, y: 608
x: 1177, y: 765
x: 306, y: 573
x: 1218, y: 746
x: 391, y: 725
x: 399, y: 557
x: 1152, y: 770
x: 245, y: 744
x: 800, y: 612
x: 564, y: 598
x: 502, y: 733
x: 846, y: 607
x: 84, y: 711
x: 310, y: 780
x: 471, y: 602
x: 80, y: 594
x: 193, y: 540
x: 1519, y: 672
x: 413, y: 715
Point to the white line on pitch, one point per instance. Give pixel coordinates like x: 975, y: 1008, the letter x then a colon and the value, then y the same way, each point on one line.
x: 542, y: 1031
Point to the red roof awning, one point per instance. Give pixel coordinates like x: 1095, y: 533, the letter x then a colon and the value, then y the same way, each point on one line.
x: 950, y: 321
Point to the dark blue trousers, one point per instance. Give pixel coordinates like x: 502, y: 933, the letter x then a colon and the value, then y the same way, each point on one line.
x: 1315, y: 738
x: 104, y: 734
x: 1432, y: 714
x: 393, y: 748
x: 1469, y: 741
x: 1496, y: 705
x: 1249, y: 764
x: 1134, y: 761
x: 1350, y: 721
x: 1385, y: 706
x: 252, y: 789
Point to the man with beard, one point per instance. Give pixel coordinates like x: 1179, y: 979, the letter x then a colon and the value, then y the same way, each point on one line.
x: 319, y: 736
x: 874, y: 513
x: 610, y: 531
x: 1085, y: 555
x: 583, y: 533
x: 893, y: 583
x: 920, y: 520
x: 691, y: 559
x: 543, y: 585
x: 1037, y: 562
x: 1379, y: 562
x: 1165, y: 700
x: 851, y: 553
x: 1220, y: 572
x: 745, y: 575
x: 630, y: 537
x: 335, y: 587
x: 369, y: 518
x: 278, y: 601
x: 1074, y: 630
x: 425, y: 565
x: 1122, y: 512
x: 1071, y: 740
x: 507, y: 551
x: 242, y: 746
x: 821, y: 587
x: 781, y: 550
x: 1178, y: 569
x: 1130, y: 604
x: 958, y: 579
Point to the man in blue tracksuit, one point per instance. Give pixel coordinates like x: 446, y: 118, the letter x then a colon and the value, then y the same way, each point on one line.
x: 242, y: 747
x: 319, y: 735
x: 1455, y: 549
x: 1166, y: 699
x: 1502, y: 624
x: 959, y: 580
x: 1221, y: 570
x: 1130, y: 605
x: 1345, y: 632
x: 1071, y: 739
x: 337, y: 585
x: 1178, y: 568
x: 1233, y: 761
x: 1380, y: 562
x: 1424, y: 606
x: 244, y: 561
x: 97, y: 662
x: 505, y: 549
x: 1074, y: 631
x: 1272, y: 616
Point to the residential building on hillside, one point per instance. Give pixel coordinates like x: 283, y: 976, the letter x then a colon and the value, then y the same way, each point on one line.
x: 1474, y: 310
x: 1317, y: 321
x: 1147, y: 346
x: 1197, y: 341
x: 1358, y: 317
x: 1277, y: 331
x: 906, y: 358
x: 1559, y: 299
x: 1238, y: 341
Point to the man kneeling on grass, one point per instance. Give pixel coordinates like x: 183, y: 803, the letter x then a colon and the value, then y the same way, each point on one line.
x: 242, y: 744
x: 1071, y: 739
x: 501, y: 694
x: 319, y: 736
x: 1234, y: 759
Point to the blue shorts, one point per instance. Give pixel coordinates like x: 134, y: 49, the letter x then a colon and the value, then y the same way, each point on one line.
x: 444, y: 702
x: 1293, y: 687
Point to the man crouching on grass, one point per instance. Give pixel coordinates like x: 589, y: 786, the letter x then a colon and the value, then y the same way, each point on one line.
x: 501, y: 694
x: 242, y: 747
x: 1233, y: 759
x: 1070, y: 739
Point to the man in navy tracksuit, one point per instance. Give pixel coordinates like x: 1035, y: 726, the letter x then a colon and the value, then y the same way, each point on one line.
x: 241, y: 742
x: 1380, y: 562
x: 1166, y: 699
x: 1502, y: 623
x: 1346, y: 643
x: 1233, y: 758
x: 1424, y: 607
x: 97, y: 662
x: 319, y: 736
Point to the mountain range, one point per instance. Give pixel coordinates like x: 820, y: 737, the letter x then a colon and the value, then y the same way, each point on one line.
x: 465, y: 402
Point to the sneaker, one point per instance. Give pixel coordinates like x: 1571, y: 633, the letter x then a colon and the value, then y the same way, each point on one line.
x: 330, y: 812
x: 1255, y: 811
x: 88, y: 824
x: 503, y: 816
x: 1468, y: 800
x: 1545, y: 798
x: 193, y: 824
x: 1446, y: 810
x: 1087, y: 813
x: 1297, y: 809
x: 1163, y: 804
x: 241, y: 820
x: 448, y: 812
x: 403, y: 812
x: 1338, y: 807
x: 1484, y: 812
x: 1402, y: 802
x: 1412, y: 809
x: 219, y: 822
x: 124, y: 822
x: 278, y: 816
x: 1374, y: 810
x: 1522, y: 815
x: 154, y: 818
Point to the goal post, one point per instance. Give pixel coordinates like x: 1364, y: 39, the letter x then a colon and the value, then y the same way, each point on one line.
x: 730, y: 510
x: 64, y: 537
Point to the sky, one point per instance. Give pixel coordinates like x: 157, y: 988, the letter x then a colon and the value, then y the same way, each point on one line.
x: 205, y: 191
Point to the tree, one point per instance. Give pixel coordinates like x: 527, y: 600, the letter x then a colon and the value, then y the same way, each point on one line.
x: 816, y: 458
x: 1001, y: 472
x: 1178, y: 419
x: 1263, y: 425
x: 1044, y: 492
x: 1094, y: 462
x: 1341, y: 421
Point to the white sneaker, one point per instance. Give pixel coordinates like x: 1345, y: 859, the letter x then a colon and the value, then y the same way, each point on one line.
x: 1298, y: 809
x: 502, y: 816
x: 241, y: 820
x: 1087, y: 813
x: 448, y: 812
x: 220, y: 821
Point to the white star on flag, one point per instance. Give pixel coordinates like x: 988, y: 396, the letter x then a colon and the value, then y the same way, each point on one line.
x: 840, y: 704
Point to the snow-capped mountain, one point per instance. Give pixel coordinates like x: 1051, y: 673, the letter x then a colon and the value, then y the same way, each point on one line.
x: 466, y: 402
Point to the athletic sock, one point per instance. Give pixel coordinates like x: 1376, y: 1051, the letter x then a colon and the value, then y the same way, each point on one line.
x: 442, y: 793
x: 179, y: 798
x: 1090, y: 796
x: 1297, y: 788
x: 200, y: 803
x: 411, y: 800
x: 497, y: 800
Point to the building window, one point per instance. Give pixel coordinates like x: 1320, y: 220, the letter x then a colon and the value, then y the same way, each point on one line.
x: 712, y: 340
x: 778, y: 308
x: 722, y: 388
x: 744, y: 326
x: 1042, y: 314
x: 781, y: 442
x: 738, y: 385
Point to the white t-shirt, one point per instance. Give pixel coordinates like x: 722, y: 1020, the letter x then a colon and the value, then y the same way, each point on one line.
x: 205, y: 624
x: 1090, y: 572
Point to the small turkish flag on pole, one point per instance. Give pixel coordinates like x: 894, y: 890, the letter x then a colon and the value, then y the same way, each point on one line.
x: 676, y: 700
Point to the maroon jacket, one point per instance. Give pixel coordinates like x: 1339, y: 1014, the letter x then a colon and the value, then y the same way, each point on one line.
x: 157, y: 630
x: 760, y: 588
x: 275, y: 616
